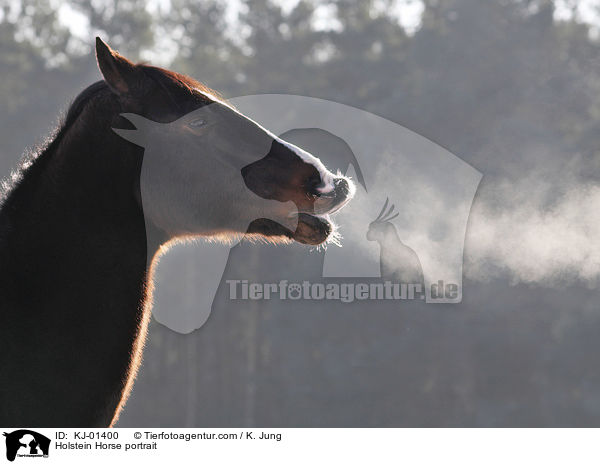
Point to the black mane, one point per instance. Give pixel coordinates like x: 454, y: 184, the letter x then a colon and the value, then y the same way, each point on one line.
x: 78, y: 104
x: 52, y: 140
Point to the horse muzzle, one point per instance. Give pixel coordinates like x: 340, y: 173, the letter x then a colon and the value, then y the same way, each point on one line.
x: 333, y: 201
x: 315, y: 226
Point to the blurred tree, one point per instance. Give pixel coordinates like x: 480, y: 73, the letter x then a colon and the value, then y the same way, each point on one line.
x: 205, y: 50
x: 32, y: 44
x: 127, y: 24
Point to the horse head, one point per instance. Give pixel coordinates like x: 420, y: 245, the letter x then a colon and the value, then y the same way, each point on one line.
x: 208, y: 170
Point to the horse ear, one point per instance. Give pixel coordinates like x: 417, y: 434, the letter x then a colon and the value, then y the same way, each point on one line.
x: 120, y: 74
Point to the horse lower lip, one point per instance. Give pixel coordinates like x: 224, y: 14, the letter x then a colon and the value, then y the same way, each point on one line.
x: 312, y: 229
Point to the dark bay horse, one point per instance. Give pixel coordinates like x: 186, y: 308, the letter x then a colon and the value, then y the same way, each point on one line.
x: 75, y: 281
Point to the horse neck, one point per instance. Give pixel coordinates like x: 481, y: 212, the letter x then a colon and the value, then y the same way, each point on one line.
x: 80, y: 194
x: 74, y: 268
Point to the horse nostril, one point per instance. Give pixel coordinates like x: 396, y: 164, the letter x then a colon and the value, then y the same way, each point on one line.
x: 313, y: 183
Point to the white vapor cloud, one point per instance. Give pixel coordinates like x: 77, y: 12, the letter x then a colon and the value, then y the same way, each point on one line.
x: 516, y: 232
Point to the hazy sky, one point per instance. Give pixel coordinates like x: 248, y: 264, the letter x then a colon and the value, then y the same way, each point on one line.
x: 408, y: 13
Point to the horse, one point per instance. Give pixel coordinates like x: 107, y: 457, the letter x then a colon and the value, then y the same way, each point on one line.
x: 77, y: 243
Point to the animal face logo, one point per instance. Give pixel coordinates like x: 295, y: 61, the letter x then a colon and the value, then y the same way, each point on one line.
x: 26, y: 443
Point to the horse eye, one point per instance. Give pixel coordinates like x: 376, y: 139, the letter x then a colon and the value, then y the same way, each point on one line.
x: 197, y: 123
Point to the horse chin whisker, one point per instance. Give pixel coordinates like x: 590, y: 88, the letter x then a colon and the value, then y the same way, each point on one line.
x: 335, y: 237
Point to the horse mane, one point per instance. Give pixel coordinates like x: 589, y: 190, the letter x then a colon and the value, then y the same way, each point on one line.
x: 79, y: 103
x: 49, y: 143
